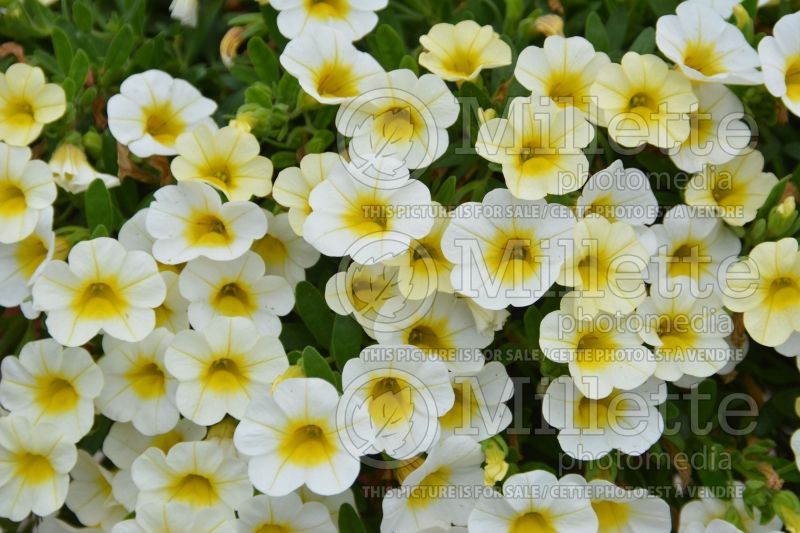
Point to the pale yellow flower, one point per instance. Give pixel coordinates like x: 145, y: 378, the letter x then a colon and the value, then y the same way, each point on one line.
x: 27, y: 103
x: 460, y: 52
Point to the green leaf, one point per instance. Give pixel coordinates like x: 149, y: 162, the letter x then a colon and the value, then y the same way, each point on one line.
x: 645, y: 42
x: 345, y: 339
x: 387, y: 46
x: 119, y: 50
x: 79, y: 68
x: 532, y: 320
x: 349, y: 521
x: 82, y: 15
x: 410, y: 63
x: 315, y: 366
x: 447, y: 191
x: 62, y: 49
x: 596, y: 32
x: 514, y: 11
x: 99, y: 231
x: 314, y: 312
x: 99, y: 209
x: 264, y: 60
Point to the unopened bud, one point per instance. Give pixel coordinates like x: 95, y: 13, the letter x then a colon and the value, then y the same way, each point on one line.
x: 550, y: 24
x: 229, y: 45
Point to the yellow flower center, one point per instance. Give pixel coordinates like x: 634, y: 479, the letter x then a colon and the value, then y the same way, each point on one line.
x: 233, y: 299
x: 565, y: 89
x: 35, y: 469
x: 206, y: 229
x: 687, y: 260
x: 367, y: 215
x: 611, y: 515
x: 167, y: 440
x: 336, y: 80
x: 532, y: 522
x: 147, y: 380
x: 195, y: 490
x: 515, y: 261
x: 463, y: 61
x: 163, y: 124
x: 20, y: 113
x: 595, y: 351
x: 428, y: 337
x: 703, y: 57
x: 56, y: 395
x: 98, y: 301
x: 642, y: 100
x: 271, y: 250
x: 431, y: 488
x: 784, y: 292
x: 324, y: 9
x: 465, y: 405
x: 596, y: 414
x: 12, y: 200
x: 399, y: 124
x: 307, y: 445
x: 225, y: 375
x: 391, y: 402
x: 30, y: 254
x: 272, y: 528
x: 793, y: 79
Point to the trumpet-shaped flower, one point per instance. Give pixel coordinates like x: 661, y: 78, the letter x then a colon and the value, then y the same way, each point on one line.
x: 353, y: 18
x: 189, y: 220
x: 35, y: 461
x: 173, y: 314
x: 429, y: 495
x: 359, y: 215
x: 780, y: 60
x: 404, y: 392
x: 734, y: 190
x: 619, y: 194
x: 328, y: 66
x: 21, y: 263
x: 153, y: 109
x: 293, y: 185
x: 288, y: 513
x: 53, y: 385
x: 237, y: 288
x: 137, y: 386
x: 765, y: 286
x: 589, y: 429
x: 535, y: 501
x: 459, y: 52
x: 294, y: 438
x: 124, y: 443
x: 220, y: 368
x: 705, y: 47
x: 708, y: 511
x: 506, y: 250
x: 157, y: 517
x: 201, y: 475
x: 101, y: 288
x: 539, y: 147
x: 601, y: 352
x: 227, y: 159
x: 90, y: 496
x: 285, y: 253
x: 400, y: 116
x: 27, y: 192
x: 27, y: 104
x: 642, y: 101
x: 73, y: 172
x: 563, y: 69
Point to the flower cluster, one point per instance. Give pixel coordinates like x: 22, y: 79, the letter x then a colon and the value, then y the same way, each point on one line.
x: 344, y: 283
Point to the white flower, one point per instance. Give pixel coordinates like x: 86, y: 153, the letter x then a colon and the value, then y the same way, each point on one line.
x: 404, y: 392
x: 53, y: 385
x: 780, y: 59
x: 27, y: 192
x: 429, y: 495
x: 124, y: 443
x: 34, y: 468
x: 705, y: 47
x: 201, y: 475
x: 293, y: 439
x: 153, y: 109
x: 479, y: 410
x: 487, y: 320
x: 235, y: 288
x: 400, y: 116
x: 221, y: 367
x: 158, y: 517
x: 90, y: 496
x: 506, y: 250
x: 618, y: 193
x: 459, y: 52
x: 535, y: 501
x: 185, y: 11
x: 226, y: 158
x: 628, y: 421
x: 794, y: 443
x: 353, y: 18
x: 27, y: 104
x: 189, y: 220
x: 328, y: 66
x: 709, y: 509
x: 370, y: 218
x: 22, y: 262
x: 333, y: 502
x: 563, y: 69
x: 72, y: 171
x: 137, y: 387
x: 284, y: 252
x: 723, y: 7
x: 101, y: 288
x: 173, y: 314
x: 287, y: 513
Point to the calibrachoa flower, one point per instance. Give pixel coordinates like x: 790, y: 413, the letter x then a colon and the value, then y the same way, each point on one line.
x: 404, y: 392
x: 53, y: 385
x: 157, y: 517
x: 354, y: 18
x: 27, y: 104
x: 328, y: 66
x: 27, y: 191
x: 539, y: 146
x: 185, y: 11
x: 22, y: 262
x: 102, y: 287
x: 35, y: 461
x: 73, y: 172
x: 780, y: 62
x: 153, y: 109
x: 708, y: 509
x: 90, y: 496
x: 137, y: 386
x: 423, y: 499
x: 283, y: 513
x: 285, y: 253
x: 189, y: 220
x: 563, y: 69
x: 226, y: 158
x: 201, y: 475
x: 642, y: 101
x: 173, y: 313
x: 619, y: 194
x: 220, y: 368
x: 237, y: 288
x: 765, y: 286
x: 534, y: 501
x: 124, y: 443
x: 460, y: 52
x: 293, y: 438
